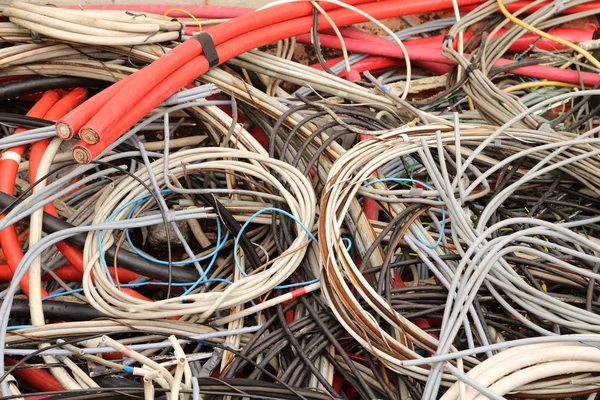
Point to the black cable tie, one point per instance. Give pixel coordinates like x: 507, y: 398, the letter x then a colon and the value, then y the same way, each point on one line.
x: 36, y: 38
x: 181, y: 28
x: 470, y: 69
x: 448, y: 37
x: 208, y: 48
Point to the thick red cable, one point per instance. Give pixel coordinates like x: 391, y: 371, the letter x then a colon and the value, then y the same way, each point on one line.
x: 69, y: 273
x: 84, y: 152
x: 38, y: 378
x: 69, y: 125
x: 8, y: 174
x: 138, y: 84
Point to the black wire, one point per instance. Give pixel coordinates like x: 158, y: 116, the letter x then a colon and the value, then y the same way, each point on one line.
x: 234, y: 227
x: 57, y: 310
x: 525, y: 63
x: 575, y: 125
x: 294, y: 343
x: 340, y: 350
x: 70, y: 394
x: 38, y: 84
x: 582, y: 102
x: 315, y: 37
x: 24, y: 121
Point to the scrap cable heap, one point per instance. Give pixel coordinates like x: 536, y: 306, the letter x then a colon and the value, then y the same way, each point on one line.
x: 200, y: 202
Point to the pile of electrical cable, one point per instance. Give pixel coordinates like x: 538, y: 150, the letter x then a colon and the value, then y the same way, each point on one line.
x: 300, y: 202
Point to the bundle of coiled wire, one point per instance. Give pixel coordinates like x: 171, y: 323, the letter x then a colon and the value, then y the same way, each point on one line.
x: 112, y: 28
x: 414, y: 216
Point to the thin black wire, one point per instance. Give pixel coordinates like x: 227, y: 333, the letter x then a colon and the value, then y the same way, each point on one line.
x: 69, y: 394
x: 315, y: 37
x: 295, y: 344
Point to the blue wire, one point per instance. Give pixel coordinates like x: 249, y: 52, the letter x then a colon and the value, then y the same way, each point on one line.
x: 293, y: 285
x: 347, y: 240
x: 149, y: 258
x: 15, y: 327
x: 68, y: 292
x: 256, y: 214
x: 138, y: 203
x: 218, y: 247
x: 213, y: 255
x: 590, y: 344
x: 408, y: 180
x: 110, y: 217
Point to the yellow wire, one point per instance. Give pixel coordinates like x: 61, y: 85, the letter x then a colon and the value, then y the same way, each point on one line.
x: 568, y: 64
x: 185, y: 11
x: 528, y: 85
x: 548, y: 36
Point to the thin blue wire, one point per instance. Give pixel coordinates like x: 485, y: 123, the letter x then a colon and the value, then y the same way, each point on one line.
x: 349, y: 246
x: 408, y: 180
x: 110, y: 217
x: 149, y: 258
x: 256, y: 214
x: 68, y: 292
x: 138, y: 203
x: 15, y: 327
x: 218, y: 247
x: 293, y: 285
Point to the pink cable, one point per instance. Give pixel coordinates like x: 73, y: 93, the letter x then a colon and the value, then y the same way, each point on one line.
x: 518, y: 5
x: 366, y: 43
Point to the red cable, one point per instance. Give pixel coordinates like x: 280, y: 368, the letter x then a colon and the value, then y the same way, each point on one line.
x: 137, y: 87
x: 38, y: 378
x: 436, y: 68
x: 535, y: 71
x: 373, y: 63
x: 8, y: 174
x: 366, y: 43
x: 518, y: 5
x: 74, y: 274
x: 69, y: 273
x: 552, y: 73
x: 370, y: 63
x: 71, y: 123
x: 84, y: 152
